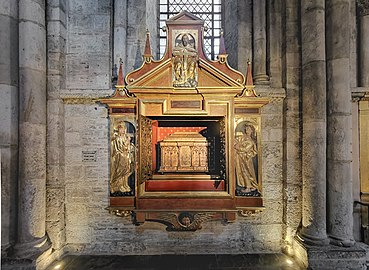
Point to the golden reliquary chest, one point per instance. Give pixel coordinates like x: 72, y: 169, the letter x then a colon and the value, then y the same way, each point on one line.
x: 184, y: 152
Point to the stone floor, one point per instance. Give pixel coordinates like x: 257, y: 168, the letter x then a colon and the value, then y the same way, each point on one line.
x: 173, y: 262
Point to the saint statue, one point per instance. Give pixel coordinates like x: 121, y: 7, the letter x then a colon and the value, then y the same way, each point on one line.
x: 184, y: 61
x: 122, y: 163
x: 246, y: 150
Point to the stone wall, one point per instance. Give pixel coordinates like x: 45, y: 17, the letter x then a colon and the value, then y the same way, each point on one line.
x: 89, y: 228
x: 88, y: 57
x: 61, y: 135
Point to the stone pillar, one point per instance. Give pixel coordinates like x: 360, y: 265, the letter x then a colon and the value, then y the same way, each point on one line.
x: 120, y: 31
x: 314, y: 122
x: 152, y: 15
x: 142, y: 15
x: 55, y: 189
x: 339, y: 125
x: 274, y: 47
x: 32, y: 240
x: 292, y: 170
x: 8, y: 120
x: 353, y: 45
x: 244, y: 29
x: 231, y: 27
x: 364, y: 42
x: 260, y: 53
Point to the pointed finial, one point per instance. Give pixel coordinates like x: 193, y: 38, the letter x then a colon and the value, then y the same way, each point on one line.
x: 120, y: 81
x: 249, y: 90
x: 147, y: 52
x: 249, y: 80
x: 222, y: 49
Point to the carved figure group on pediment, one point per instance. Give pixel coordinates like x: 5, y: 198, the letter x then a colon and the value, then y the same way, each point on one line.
x: 122, y: 159
x: 184, y: 61
x: 245, y: 161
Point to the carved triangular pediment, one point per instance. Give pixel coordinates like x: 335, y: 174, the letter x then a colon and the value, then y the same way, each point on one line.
x: 184, y: 64
x: 184, y: 16
x: 161, y: 77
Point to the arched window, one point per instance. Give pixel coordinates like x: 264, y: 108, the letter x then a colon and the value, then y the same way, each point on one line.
x: 208, y: 10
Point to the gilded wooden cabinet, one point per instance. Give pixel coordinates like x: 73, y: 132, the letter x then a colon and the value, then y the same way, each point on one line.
x: 192, y: 132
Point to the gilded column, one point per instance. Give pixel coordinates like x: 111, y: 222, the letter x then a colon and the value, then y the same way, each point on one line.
x: 363, y: 6
x: 339, y: 125
x: 314, y: 122
x: 259, y: 27
x: 32, y: 240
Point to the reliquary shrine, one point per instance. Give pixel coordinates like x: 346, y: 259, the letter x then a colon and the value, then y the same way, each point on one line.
x: 185, y: 135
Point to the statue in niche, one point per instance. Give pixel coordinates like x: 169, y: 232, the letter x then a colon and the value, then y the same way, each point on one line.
x: 184, y: 61
x: 122, y: 159
x: 246, y: 161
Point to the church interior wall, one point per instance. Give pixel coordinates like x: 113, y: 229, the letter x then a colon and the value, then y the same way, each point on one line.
x: 89, y: 228
x: 85, y: 39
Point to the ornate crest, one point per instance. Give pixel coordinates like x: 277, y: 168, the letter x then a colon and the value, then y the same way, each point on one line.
x: 184, y: 221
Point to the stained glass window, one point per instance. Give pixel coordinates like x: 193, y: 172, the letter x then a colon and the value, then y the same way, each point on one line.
x: 207, y: 10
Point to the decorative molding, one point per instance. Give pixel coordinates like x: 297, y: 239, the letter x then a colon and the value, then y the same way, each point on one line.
x: 275, y: 95
x: 276, y: 99
x: 184, y: 221
x: 363, y: 7
x: 120, y: 212
x: 359, y: 96
x: 188, y: 220
x: 223, y: 150
x: 79, y: 100
x: 122, y: 92
x: 145, y: 148
x: 249, y: 212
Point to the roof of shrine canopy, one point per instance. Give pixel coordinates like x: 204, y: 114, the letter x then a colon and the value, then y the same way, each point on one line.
x: 159, y: 73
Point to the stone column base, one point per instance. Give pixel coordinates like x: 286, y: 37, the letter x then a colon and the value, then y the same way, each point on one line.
x: 39, y: 263
x: 329, y: 256
x: 32, y: 250
x: 30, y: 255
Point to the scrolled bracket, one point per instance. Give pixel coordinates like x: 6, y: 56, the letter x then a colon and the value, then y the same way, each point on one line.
x: 120, y: 212
x: 250, y: 212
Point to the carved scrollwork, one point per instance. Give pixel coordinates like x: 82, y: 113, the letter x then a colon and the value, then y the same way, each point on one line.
x: 223, y: 172
x: 120, y: 212
x: 184, y: 221
x: 249, y: 212
x: 123, y: 92
x: 146, y: 150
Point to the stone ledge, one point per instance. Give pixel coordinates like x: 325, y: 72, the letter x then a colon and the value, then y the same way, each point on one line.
x: 329, y: 256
